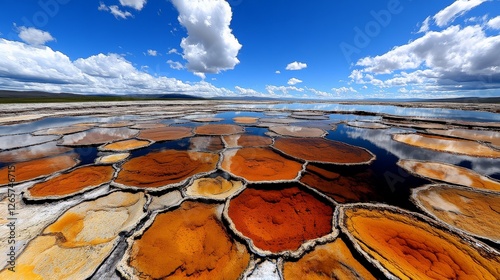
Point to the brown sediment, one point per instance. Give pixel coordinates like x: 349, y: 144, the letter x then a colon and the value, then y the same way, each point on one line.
x: 323, y: 151
x: 356, y: 187
x: 33, y: 169
x: 164, y: 168
x: 333, y: 260
x: 369, y: 125
x: 297, y: 131
x: 489, y: 136
x: 446, y: 144
x: 187, y: 242
x: 113, y: 158
x: 117, y: 124
x: 33, y: 152
x: 166, y: 133
x: 410, y: 246
x: 83, y: 178
x: 245, y: 120
x: 206, y: 144
x: 97, y: 136
x: 474, y: 212
x: 214, y: 188
x: 245, y: 140
x: 9, y: 142
x: 76, y: 244
x: 61, y: 130
x: 449, y: 173
x: 278, y: 218
x: 260, y: 164
x: 218, y: 129
x: 125, y: 145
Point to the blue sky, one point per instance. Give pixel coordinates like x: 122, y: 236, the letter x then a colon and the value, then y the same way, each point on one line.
x: 276, y: 48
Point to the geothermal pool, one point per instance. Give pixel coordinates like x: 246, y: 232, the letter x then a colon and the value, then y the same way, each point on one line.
x: 230, y: 190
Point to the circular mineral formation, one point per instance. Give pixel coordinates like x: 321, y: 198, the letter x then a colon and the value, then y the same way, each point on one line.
x: 449, y: 173
x: 125, y: 145
x: 245, y: 140
x: 218, y: 129
x: 260, y: 165
x: 343, y: 188
x: 245, y: 120
x: 448, y: 145
x: 297, y: 131
x: 61, y: 130
x: 30, y: 170
x: 321, y: 150
x: 187, y: 242
x: 214, y: 188
x: 33, y: 152
x: 164, y: 168
x: 474, y: 212
x: 332, y: 260
x: 279, y: 218
x: 166, y: 133
x: 113, y: 158
x: 410, y: 246
x: 492, y: 137
x: 98, y: 136
x: 76, y: 181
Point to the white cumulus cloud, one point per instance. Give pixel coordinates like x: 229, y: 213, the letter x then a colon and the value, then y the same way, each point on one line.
x: 494, y: 23
x: 136, y: 4
x: 294, y: 81
x: 152, y: 52
x: 34, y: 36
x: 296, y: 66
x: 175, y: 65
x: 210, y: 46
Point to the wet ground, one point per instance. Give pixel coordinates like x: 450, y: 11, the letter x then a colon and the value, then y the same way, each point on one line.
x: 228, y: 190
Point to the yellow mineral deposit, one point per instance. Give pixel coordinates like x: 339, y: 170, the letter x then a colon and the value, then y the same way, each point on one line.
x: 245, y: 120
x: 449, y: 173
x: 76, y: 244
x: 125, y: 145
x: 332, y: 260
x: 447, y: 144
x: 489, y: 136
x: 213, y: 188
x: 474, y: 212
x: 111, y: 159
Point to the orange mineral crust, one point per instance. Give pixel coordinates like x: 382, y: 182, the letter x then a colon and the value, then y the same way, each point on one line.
x: 30, y: 170
x: 245, y: 140
x: 474, y: 212
x: 323, y: 151
x: 125, y: 145
x: 489, y: 136
x: 33, y: 152
x: 214, y: 188
x: 450, y: 173
x: 279, y: 217
x: 97, y: 136
x: 218, y: 129
x: 260, y: 164
x: 187, y: 242
x: 411, y: 247
x: 75, y: 245
x: 446, y: 144
x: 297, y: 131
x: 333, y: 260
x: 355, y: 187
x: 166, y: 133
x: 245, y: 120
x: 73, y: 182
x: 159, y: 169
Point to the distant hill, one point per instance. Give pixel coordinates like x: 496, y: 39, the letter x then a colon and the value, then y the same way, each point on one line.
x: 468, y: 100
